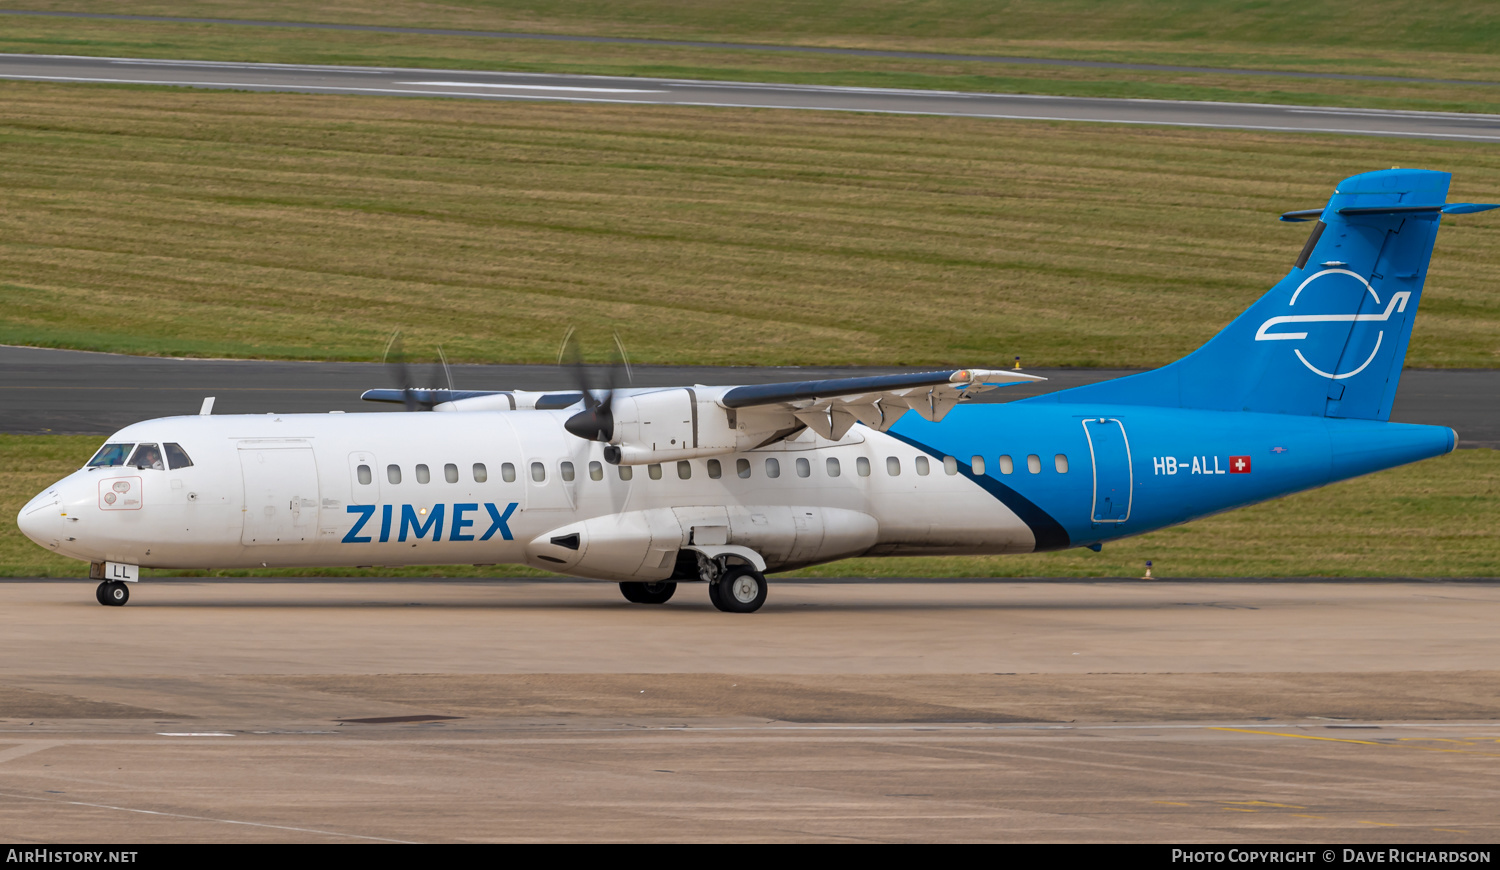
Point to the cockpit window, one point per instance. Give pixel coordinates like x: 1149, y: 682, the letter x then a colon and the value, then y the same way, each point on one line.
x: 146, y: 456
x: 110, y: 455
x: 176, y: 456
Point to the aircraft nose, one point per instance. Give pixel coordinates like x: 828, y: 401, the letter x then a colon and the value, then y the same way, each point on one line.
x: 40, y: 520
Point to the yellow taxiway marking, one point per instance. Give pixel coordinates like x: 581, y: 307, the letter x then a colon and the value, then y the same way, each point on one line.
x: 1381, y: 824
x: 1450, y: 830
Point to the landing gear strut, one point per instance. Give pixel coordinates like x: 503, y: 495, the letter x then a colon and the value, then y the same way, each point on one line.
x: 741, y: 589
x: 648, y: 593
x: 112, y: 593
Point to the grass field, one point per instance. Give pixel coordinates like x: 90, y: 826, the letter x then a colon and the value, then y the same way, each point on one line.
x: 181, y: 222
x: 1432, y: 519
x: 1438, y: 40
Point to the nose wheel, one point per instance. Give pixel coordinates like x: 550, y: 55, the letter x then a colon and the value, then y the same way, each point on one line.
x: 740, y: 590
x: 112, y: 593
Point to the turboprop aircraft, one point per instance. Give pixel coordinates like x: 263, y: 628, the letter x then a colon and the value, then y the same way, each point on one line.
x: 722, y: 485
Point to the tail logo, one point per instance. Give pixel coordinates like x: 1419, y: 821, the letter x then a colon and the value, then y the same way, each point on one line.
x: 1396, y: 305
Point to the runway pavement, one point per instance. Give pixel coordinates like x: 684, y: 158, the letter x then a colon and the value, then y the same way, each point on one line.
x: 741, y: 46
x: 72, y: 392
x: 1024, y: 711
x: 462, y: 84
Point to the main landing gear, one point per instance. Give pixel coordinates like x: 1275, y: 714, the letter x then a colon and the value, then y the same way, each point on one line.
x: 112, y: 593
x: 740, y: 589
x: 648, y: 593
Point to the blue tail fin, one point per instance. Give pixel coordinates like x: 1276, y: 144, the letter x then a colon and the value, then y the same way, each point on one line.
x: 1330, y: 338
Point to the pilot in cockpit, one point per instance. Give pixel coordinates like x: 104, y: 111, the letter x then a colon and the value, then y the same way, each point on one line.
x: 147, y: 456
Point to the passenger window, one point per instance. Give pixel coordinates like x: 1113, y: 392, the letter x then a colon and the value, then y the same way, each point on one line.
x: 450, y: 473
x: 684, y: 469
x: 596, y: 471
x: 110, y: 455
x: 1061, y: 461
x: 653, y: 471
x: 862, y: 466
x: 893, y: 466
x: 146, y: 456
x: 422, y: 474
x: 538, y: 472
x: 773, y: 467
x: 176, y: 456
x: 567, y: 471
x: 833, y: 466
x: 742, y: 468
x: 508, y: 472
x: 1006, y: 466
x: 482, y: 474
x: 715, y: 470
x: 950, y: 465
x: 923, y: 467
x: 977, y: 463
x: 364, y: 475
x: 1034, y: 464
x: 804, y: 468
x: 626, y: 472
x: 393, y: 473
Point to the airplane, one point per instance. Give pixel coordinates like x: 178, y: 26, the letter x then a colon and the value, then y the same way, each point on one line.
x: 650, y: 488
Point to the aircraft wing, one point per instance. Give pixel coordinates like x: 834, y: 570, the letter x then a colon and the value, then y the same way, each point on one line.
x: 830, y: 407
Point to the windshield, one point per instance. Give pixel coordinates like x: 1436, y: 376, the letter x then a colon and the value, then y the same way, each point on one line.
x: 147, y: 456
x: 110, y: 455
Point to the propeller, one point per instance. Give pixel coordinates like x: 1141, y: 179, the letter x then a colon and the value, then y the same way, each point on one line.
x: 596, y: 422
x: 413, y: 397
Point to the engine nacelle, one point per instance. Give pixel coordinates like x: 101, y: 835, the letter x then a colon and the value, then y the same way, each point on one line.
x: 668, y: 425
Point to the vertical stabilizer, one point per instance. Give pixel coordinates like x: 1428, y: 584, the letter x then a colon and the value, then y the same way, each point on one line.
x: 1330, y: 338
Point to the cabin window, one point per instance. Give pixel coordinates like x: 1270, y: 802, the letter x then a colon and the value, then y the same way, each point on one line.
x: 538, y: 472
x: 1034, y: 464
x: 146, y: 456
x: 715, y: 470
x: 977, y: 463
x: 893, y: 466
x: 567, y: 470
x: 742, y: 468
x: 176, y: 456
x: 110, y: 455
x: 423, y: 475
x: 833, y: 466
x: 393, y: 473
x: 450, y: 473
x: 365, y: 477
x: 684, y: 469
x: 1061, y: 462
x: 596, y: 471
x: 804, y: 468
x: 923, y: 466
x: 482, y: 474
x: 1006, y: 465
x: 862, y: 466
x: 626, y: 472
x: 773, y: 467
x: 950, y: 465
x: 654, y: 471
x: 508, y: 472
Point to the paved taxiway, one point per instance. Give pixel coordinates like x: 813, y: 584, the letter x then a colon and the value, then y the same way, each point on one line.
x: 60, y: 391
x: 466, y: 84
x: 517, y: 710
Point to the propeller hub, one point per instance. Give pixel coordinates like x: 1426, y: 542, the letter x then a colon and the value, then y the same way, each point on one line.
x: 592, y: 424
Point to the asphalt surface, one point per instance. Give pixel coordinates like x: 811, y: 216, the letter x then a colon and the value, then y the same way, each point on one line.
x: 434, y: 711
x: 461, y: 84
x: 743, y: 46
x: 73, y: 392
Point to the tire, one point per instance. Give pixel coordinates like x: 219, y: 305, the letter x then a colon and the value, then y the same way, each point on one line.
x: 648, y: 593
x: 115, y: 593
x: 99, y: 593
x: 740, y: 590
x: 713, y: 594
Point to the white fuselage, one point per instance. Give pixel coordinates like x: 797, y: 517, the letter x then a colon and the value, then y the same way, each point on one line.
x: 501, y: 487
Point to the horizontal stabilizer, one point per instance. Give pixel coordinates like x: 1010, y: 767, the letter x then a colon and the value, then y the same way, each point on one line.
x: 1354, y: 211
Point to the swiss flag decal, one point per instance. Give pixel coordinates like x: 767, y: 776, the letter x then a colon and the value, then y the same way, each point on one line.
x: 1239, y: 465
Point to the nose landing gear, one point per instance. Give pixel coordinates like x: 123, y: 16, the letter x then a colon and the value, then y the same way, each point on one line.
x: 112, y: 593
